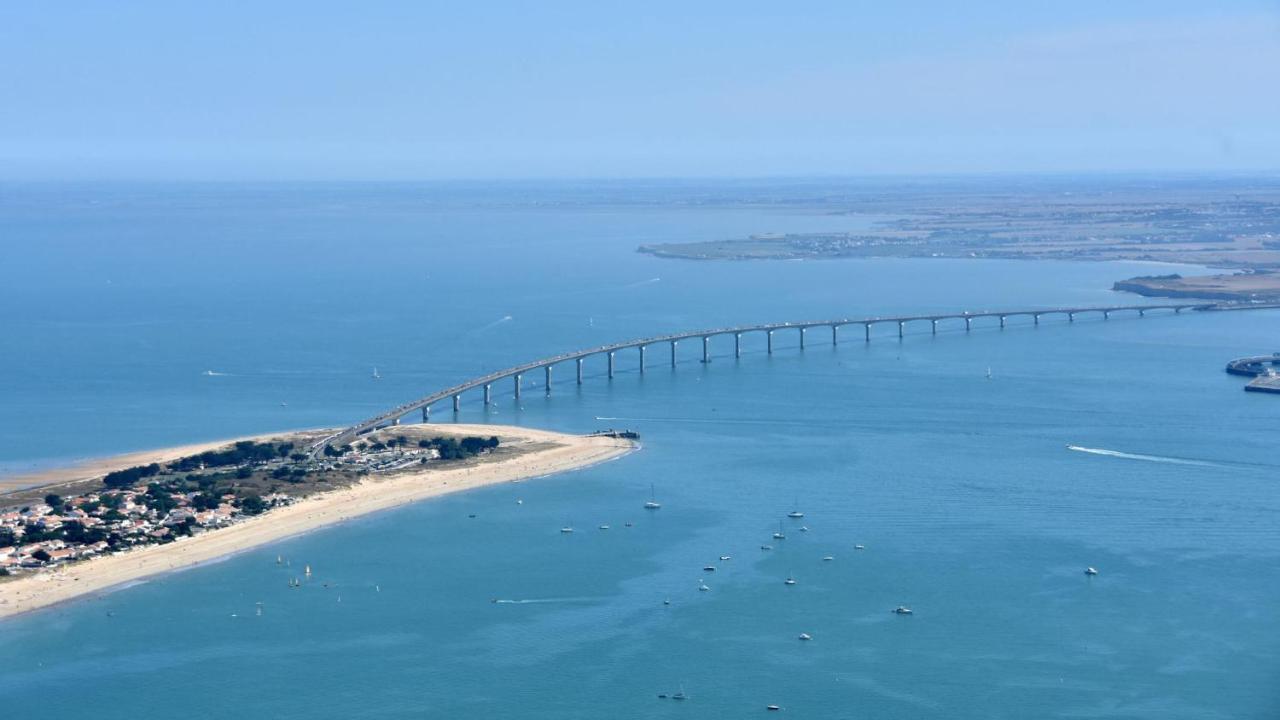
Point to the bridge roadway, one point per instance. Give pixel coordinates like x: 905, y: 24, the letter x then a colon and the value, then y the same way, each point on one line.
x: 424, y: 404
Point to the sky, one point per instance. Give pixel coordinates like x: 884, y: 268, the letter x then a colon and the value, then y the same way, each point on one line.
x: 318, y: 90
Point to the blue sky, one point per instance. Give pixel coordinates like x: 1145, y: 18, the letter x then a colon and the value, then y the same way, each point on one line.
x: 422, y: 90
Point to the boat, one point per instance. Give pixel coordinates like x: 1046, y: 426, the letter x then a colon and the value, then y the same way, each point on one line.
x: 789, y: 581
x: 653, y: 503
x: 709, y: 568
x: 279, y: 560
x: 779, y: 535
x: 902, y: 610
x: 566, y: 529
x: 988, y: 372
x: 859, y: 547
x: 604, y: 527
x: 376, y: 376
x: 806, y: 636
x: 666, y: 601
x: 772, y: 707
x: 766, y: 547
x: 725, y: 557
x: 307, y: 571
x: 804, y: 528
x: 796, y: 512
x: 828, y: 558
x: 702, y: 587
x: 1090, y: 571
x: 680, y: 695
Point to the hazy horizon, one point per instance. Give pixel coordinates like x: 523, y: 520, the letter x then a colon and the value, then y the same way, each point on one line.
x: 402, y: 92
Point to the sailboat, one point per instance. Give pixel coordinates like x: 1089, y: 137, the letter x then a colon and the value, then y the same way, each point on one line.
x: 988, y: 372
x: 779, y: 535
x: 376, y: 376
x: 653, y: 503
x: 307, y: 571
x: 796, y: 514
x: 789, y: 581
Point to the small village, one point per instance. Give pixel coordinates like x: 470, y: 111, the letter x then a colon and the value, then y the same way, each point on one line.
x: 157, y: 504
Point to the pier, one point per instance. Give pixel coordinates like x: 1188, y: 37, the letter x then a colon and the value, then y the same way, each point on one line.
x: 704, y: 337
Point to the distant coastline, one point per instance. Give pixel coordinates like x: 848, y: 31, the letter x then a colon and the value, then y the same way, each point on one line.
x: 528, y: 453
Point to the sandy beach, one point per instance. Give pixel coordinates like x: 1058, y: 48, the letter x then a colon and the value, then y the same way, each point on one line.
x: 537, y: 453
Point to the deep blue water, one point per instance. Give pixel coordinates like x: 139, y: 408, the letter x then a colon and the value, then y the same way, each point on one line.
x: 972, y: 508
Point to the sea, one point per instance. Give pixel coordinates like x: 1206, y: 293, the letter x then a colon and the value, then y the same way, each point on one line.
x: 970, y: 476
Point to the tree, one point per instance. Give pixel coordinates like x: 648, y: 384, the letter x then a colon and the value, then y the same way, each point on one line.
x: 252, y: 505
x: 41, y: 555
x: 52, y: 500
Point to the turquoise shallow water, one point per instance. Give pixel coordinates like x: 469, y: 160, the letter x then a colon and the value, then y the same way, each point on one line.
x: 970, y: 505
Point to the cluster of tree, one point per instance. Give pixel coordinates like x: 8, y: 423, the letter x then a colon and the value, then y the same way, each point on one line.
x: 245, y: 451
x: 130, y: 476
x: 455, y: 449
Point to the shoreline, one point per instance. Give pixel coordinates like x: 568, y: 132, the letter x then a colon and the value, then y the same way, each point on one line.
x: 538, y: 454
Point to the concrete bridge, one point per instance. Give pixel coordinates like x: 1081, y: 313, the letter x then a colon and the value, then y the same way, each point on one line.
x: 806, y: 331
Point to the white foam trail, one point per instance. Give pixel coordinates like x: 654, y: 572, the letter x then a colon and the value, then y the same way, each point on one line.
x: 212, y: 373
x: 642, y: 283
x: 495, y: 323
x: 1146, y: 458
x: 537, y: 601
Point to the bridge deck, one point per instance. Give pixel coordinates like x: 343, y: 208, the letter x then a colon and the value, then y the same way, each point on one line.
x: 425, y: 402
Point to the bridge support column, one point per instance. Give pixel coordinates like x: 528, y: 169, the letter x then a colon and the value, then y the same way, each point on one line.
x: 579, y: 363
x: 1071, y: 317
x: 673, y: 353
x: 1177, y: 311
x: 706, y: 350
x: 610, y: 366
x: 517, y: 384
x: 1106, y: 314
x: 802, y: 338
x: 737, y: 345
x: 547, y: 378
x: 933, y: 329
x: 641, y: 359
x: 769, y: 335
x: 968, y: 323
x: 1036, y: 318
x: 866, y: 331
x: 396, y: 421
x: 1142, y: 313
x: 426, y: 414
x: 488, y: 394
x: 1001, y: 322
x: 834, y: 338
x: 457, y: 403
x: 901, y: 324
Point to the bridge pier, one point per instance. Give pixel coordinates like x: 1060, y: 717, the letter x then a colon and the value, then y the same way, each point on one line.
x: 769, y: 335
x: 737, y: 345
x: 1142, y: 313
x: 579, y: 371
x: 866, y: 331
x: 1071, y: 317
x: 1106, y: 314
x: 517, y: 384
x: 933, y: 326
x: 834, y: 339
x: 426, y: 413
x: 457, y: 403
x: 968, y: 323
x: 706, y: 350
x: 673, y: 353
x: 641, y: 359
x: 802, y: 338
x: 900, y: 326
x: 547, y: 378
x: 1177, y: 311
x: 488, y: 395
x: 1001, y: 322
x: 610, y: 366
x: 1036, y: 318
x: 396, y: 421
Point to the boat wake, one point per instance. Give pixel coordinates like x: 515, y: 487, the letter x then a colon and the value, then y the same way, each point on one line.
x: 1145, y: 458
x: 213, y: 373
x: 642, y: 283
x: 543, y: 601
